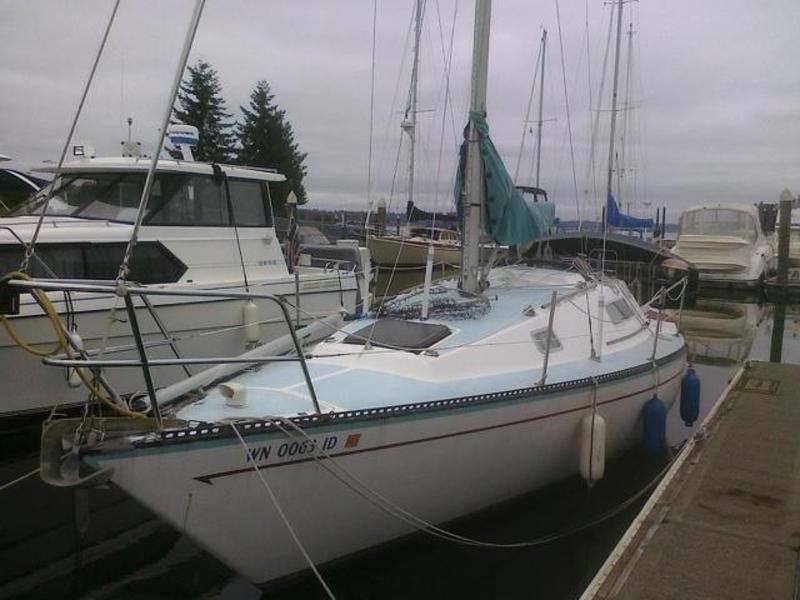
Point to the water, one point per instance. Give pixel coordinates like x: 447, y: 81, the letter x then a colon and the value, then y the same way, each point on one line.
x: 101, y: 544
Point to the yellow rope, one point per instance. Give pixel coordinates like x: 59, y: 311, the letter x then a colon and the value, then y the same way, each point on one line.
x: 61, y: 345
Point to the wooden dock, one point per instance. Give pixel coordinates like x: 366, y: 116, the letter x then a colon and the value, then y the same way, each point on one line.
x: 725, y: 520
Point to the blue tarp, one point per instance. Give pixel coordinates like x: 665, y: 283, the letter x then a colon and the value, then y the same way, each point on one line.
x: 511, y: 218
x: 614, y: 218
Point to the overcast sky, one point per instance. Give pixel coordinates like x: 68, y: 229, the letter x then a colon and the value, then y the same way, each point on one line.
x: 714, y: 92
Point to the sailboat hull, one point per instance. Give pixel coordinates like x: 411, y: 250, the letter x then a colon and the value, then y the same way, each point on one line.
x: 438, y: 460
x: 391, y: 251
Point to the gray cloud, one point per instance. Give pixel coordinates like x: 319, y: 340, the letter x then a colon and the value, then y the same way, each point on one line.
x: 716, y: 90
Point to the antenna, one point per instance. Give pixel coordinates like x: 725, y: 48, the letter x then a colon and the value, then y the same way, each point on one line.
x: 129, y: 147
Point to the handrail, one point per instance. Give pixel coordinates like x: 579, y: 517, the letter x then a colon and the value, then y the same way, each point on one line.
x: 52, y: 285
x: 126, y: 291
x: 163, y: 362
x: 683, y: 281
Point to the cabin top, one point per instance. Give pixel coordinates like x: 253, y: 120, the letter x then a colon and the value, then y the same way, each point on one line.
x: 165, y: 165
x: 183, y: 193
x: 739, y: 220
x: 745, y: 208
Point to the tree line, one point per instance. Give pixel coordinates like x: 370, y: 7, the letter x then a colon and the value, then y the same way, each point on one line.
x: 262, y: 138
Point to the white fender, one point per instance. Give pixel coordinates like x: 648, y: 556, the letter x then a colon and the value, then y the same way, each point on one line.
x: 593, y: 447
x: 252, y: 328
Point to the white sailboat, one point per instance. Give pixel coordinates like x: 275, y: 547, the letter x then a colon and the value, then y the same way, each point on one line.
x: 448, y: 400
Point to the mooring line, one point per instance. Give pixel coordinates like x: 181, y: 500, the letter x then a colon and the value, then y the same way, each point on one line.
x: 285, y: 518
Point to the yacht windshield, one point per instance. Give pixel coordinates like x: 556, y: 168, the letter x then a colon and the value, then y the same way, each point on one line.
x: 719, y: 221
x: 112, y: 196
x: 176, y: 199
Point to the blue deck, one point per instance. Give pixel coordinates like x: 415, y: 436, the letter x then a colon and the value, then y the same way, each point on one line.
x: 341, y: 384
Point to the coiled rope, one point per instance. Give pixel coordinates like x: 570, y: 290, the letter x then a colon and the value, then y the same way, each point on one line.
x: 62, y: 345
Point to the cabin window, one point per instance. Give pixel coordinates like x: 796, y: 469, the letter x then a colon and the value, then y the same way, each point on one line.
x: 176, y: 199
x: 619, y: 310
x: 112, y: 196
x: 151, y: 262
x: 189, y: 200
x: 249, y: 203
x: 13, y: 190
x: 540, y: 339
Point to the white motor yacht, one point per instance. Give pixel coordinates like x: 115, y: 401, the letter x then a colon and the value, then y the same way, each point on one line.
x: 207, y: 227
x: 726, y: 243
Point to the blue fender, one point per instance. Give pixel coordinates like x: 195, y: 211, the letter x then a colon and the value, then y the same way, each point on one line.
x: 690, y: 397
x: 654, y: 417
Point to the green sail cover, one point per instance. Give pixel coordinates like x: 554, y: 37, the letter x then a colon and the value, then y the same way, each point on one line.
x: 510, y: 218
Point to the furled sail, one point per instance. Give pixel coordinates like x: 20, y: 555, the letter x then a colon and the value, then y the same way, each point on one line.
x: 510, y: 218
x: 614, y: 218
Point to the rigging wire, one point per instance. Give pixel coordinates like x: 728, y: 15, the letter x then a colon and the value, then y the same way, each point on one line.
x: 51, y: 188
x: 569, y: 119
x: 395, y: 97
x: 284, y: 518
x: 596, y: 126
x: 218, y: 169
x: 591, y: 100
x: 528, y: 113
x: 447, y: 104
x: 613, y: 123
x: 148, y: 183
x: 371, y: 115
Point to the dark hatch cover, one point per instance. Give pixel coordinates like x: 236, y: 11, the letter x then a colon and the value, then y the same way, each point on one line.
x: 394, y: 333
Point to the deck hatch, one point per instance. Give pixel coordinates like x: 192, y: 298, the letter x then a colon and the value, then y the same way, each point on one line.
x: 394, y: 333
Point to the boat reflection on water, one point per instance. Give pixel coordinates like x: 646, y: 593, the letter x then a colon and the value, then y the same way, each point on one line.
x: 719, y: 332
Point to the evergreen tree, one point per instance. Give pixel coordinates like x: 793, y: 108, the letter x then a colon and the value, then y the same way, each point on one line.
x: 267, y: 140
x: 199, y: 103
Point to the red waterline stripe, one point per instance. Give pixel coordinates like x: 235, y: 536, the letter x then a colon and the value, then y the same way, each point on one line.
x: 208, y: 478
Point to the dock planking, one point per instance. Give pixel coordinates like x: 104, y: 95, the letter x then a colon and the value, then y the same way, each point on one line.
x: 725, y: 521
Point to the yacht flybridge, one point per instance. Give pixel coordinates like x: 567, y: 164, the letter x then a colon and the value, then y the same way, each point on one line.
x: 208, y: 227
x: 442, y: 402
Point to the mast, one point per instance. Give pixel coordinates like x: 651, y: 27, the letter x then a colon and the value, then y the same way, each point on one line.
x: 614, y: 106
x: 409, y: 124
x: 601, y: 301
x: 622, y: 166
x: 541, y: 106
x: 473, y: 196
